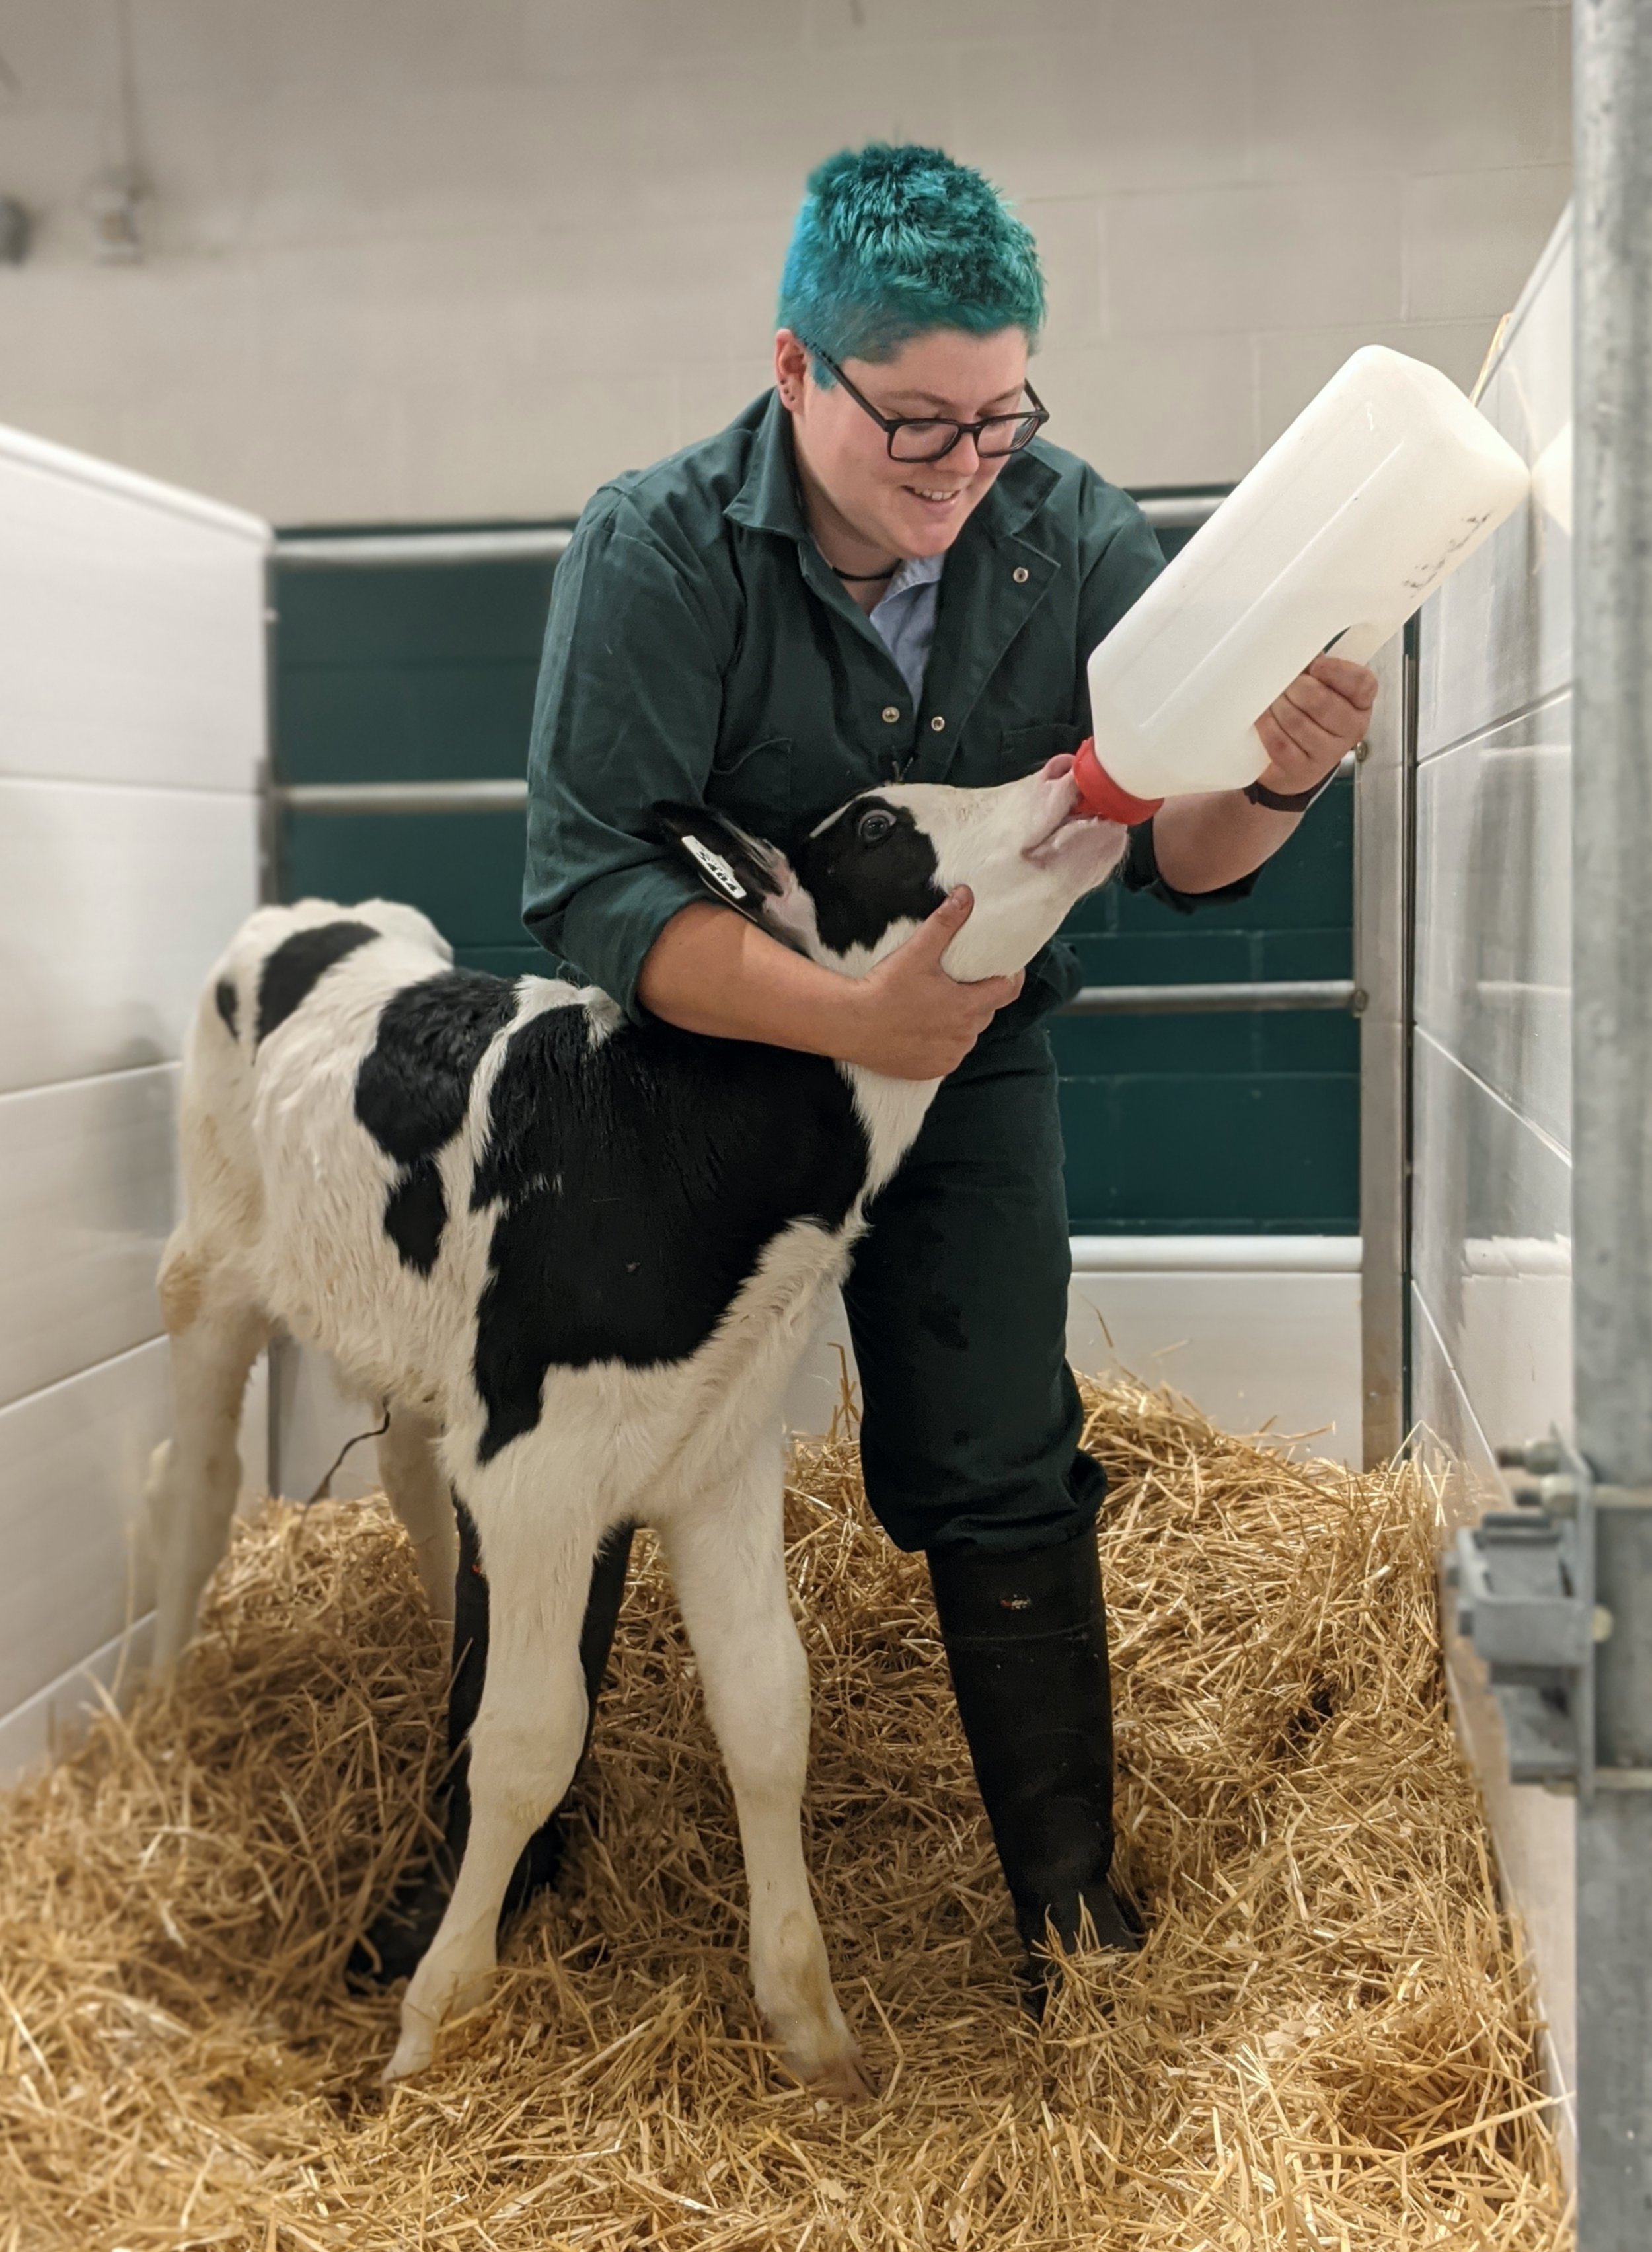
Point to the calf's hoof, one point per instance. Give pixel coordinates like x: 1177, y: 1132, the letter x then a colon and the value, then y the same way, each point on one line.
x: 446, y: 1996
x: 843, y: 2079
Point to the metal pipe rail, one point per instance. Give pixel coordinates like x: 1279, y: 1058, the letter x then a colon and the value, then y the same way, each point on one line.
x: 506, y: 795
x: 1233, y: 998
x: 1612, y: 1100
x: 375, y: 550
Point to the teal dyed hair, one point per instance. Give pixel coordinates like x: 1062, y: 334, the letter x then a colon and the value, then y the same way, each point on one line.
x: 892, y: 241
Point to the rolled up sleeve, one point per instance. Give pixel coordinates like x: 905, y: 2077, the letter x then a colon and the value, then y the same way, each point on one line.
x: 625, y: 720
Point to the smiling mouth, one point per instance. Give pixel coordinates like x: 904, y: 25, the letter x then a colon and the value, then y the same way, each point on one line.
x: 919, y: 493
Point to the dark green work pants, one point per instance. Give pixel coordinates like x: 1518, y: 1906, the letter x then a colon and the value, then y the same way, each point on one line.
x: 957, y: 1305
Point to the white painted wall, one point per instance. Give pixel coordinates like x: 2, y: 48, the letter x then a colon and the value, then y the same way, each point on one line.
x: 131, y: 726
x: 1491, y: 1253
x: 448, y: 258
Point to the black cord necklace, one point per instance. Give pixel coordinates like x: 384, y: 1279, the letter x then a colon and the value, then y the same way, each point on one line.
x: 865, y: 578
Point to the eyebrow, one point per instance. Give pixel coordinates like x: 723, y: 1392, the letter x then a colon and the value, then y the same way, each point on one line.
x: 931, y: 399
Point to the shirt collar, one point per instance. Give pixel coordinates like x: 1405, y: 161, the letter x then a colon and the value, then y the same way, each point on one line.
x: 917, y: 571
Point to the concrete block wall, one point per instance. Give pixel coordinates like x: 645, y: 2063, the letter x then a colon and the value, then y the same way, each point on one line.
x: 131, y: 726
x: 458, y: 258
x: 1491, y: 1335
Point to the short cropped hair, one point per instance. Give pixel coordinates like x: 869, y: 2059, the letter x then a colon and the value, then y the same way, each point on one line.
x: 892, y: 241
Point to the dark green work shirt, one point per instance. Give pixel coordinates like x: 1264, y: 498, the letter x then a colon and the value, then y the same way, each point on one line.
x: 700, y: 651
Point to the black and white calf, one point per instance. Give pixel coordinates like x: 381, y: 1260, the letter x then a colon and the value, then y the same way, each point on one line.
x: 580, y: 1258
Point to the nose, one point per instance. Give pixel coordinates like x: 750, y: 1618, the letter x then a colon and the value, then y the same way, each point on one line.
x: 1061, y: 764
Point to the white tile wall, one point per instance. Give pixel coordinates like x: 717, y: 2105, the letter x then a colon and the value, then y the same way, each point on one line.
x: 114, y: 903
x: 86, y: 1200
x: 1494, y: 893
x: 131, y: 727
x: 411, y: 260
x: 1491, y: 1090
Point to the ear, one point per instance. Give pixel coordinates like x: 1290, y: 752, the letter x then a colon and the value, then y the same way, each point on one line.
x: 735, y: 868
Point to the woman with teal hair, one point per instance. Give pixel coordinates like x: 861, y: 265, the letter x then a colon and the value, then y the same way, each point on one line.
x: 881, y: 570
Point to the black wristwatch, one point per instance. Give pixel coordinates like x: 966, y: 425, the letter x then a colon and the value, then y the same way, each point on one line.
x: 1276, y: 801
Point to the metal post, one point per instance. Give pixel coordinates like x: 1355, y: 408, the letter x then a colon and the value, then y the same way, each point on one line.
x: 1613, y: 1120
x: 1383, y: 791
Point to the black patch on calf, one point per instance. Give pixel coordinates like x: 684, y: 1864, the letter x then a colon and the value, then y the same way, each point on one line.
x: 291, y: 972
x: 858, y: 887
x: 641, y: 1180
x: 411, y: 1089
x: 223, y: 997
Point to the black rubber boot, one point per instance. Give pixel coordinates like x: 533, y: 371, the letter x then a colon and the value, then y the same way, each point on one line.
x: 400, y: 1932
x: 1026, y: 1642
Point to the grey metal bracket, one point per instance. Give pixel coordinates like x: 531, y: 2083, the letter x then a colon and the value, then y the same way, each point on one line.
x: 1523, y: 1582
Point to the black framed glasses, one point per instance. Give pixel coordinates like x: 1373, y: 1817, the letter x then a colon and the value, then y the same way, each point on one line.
x: 931, y: 437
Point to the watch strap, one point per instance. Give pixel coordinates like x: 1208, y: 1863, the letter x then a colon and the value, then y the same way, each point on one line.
x: 1278, y: 801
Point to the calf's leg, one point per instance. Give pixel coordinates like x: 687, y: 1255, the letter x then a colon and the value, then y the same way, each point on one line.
x: 405, y: 1927
x: 524, y: 1743
x: 216, y: 1334
x: 417, y: 1490
x: 727, y: 1563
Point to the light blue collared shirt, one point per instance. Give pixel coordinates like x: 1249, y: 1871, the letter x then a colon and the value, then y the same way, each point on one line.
x: 905, y: 618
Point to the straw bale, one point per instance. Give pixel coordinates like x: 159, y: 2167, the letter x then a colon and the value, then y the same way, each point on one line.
x: 1327, y: 2042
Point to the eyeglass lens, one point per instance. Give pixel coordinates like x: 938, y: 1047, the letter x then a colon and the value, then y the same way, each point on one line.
x: 927, y: 442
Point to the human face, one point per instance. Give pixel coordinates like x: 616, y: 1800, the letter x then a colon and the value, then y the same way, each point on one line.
x: 862, y: 506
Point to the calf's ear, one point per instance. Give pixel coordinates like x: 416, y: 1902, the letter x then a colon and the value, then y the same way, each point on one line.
x: 735, y: 868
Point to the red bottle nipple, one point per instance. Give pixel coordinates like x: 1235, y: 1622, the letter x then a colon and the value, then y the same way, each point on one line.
x: 1101, y: 796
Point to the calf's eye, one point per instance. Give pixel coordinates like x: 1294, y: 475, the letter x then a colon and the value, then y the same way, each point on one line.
x: 873, y: 827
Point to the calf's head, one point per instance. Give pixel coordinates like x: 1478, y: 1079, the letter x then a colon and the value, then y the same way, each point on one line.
x: 851, y: 889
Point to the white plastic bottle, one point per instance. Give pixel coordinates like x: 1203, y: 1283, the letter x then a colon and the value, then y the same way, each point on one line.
x: 1382, y: 486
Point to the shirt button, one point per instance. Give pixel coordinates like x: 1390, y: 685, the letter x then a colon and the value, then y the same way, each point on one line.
x: 937, y: 722
x: 892, y: 713
x: 1019, y: 575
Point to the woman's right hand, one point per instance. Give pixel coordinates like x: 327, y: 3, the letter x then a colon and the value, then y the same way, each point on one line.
x: 907, y: 1018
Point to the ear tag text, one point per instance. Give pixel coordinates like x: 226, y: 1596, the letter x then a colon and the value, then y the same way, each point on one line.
x: 716, y: 868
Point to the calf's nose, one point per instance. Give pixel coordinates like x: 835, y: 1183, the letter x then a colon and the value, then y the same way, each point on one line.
x: 1061, y: 764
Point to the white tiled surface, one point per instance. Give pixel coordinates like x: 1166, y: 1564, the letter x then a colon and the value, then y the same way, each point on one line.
x: 73, y: 1460
x: 547, y: 249
x: 1494, y: 899
x: 1491, y: 1092
x: 1491, y: 1247
x: 1497, y: 638
x: 131, y: 724
x: 133, y: 650
x: 86, y: 1203
x: 113, y: 904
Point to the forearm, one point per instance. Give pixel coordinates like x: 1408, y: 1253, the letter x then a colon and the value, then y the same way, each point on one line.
x: 711, y: 971
x: 1215, y: 838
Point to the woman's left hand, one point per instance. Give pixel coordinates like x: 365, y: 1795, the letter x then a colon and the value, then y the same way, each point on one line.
x: 1311, y: 728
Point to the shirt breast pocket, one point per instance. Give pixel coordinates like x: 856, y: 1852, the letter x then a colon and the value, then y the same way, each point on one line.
x: 1023, y: 750
x: 752, y: 783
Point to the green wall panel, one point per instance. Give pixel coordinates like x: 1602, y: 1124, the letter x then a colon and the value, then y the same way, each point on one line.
x: 1200, y: 1124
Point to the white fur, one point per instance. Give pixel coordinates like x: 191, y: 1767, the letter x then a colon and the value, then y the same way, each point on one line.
x: 285, y: 1195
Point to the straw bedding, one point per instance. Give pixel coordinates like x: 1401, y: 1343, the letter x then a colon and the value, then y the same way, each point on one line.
x: 1326, y: 2043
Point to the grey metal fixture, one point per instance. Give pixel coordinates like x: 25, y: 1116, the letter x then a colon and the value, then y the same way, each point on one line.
x: 1523, y: 1581
x: 344, y: 798
x: 1384, y: 787
x: 1611, y: 1101
x: 1234, y: 996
